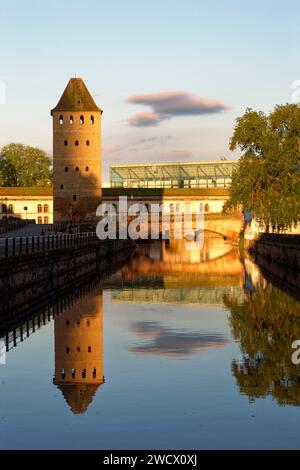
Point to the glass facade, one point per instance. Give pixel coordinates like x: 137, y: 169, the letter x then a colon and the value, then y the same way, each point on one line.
x: 173, y: 175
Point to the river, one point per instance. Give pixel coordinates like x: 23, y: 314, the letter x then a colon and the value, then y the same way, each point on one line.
x: 180, y: 349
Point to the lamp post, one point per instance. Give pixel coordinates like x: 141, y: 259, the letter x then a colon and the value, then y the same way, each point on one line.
x: 6, y: 221
x: 26, y: 209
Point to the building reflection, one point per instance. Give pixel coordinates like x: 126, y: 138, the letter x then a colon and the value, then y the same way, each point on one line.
x: 79, y: 351
x: 180, y: 272
x: 265, y: 324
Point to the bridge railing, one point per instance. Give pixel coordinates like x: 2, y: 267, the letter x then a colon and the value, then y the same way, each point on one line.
x: 8, y: 226
x: 16, y: 246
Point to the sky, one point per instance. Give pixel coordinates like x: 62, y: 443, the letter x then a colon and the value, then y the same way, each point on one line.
x: 171, y: 76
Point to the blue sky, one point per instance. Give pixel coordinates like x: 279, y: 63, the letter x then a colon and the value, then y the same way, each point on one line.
x: 236, y: 53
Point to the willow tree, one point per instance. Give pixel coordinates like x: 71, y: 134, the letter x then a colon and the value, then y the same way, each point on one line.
x: 267, y: 179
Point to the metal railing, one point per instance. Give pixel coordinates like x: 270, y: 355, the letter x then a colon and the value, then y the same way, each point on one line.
x: 8, y: 226
x: 16, y: 246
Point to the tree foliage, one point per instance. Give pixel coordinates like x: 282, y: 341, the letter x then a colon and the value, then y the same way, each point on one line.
x: 265, y: 325
x: 267, y: 180
x: 21, y: 165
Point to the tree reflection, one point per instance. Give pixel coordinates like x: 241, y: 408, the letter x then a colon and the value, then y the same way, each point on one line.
x: 266, y: 324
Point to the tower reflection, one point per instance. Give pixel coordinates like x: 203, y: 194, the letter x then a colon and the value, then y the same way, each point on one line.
x: 79, y: 352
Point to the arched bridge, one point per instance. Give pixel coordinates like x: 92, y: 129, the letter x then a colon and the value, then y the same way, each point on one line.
x: 227, y: 225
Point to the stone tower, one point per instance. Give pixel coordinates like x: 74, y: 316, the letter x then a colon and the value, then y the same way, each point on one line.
x: 79, y: 352
x: 76, y: 154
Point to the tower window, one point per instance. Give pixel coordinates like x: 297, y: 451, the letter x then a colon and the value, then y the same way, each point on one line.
x: 87, y: 142
x: 67, y: 350
x: 81, y: 120
x: 66, y: 169
x: 75, y: 199
x: 46, y: 208
x: 61, y: 120
x: 73, y: 373
x: 78, y: 101
x: 86, y: 168
x: 206, y: 208
x: 61, y: 186
x: 77, y: 168
x: 65, y: 142
x: 78, y: 348
x: 88, y: 323
x: 83, y: 374
x: 46, y: 220
x: 39, y: 208
x: 92, y: 119
x: 90, y: 349
x: 67, y: 323
x: 10, y: 208
x: 71, y: 120
x: 76, y: 142
x: 94, y: 372
x: 63, y: 373
x: 40, y: 220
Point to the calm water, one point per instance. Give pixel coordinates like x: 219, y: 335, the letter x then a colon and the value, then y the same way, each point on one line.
x: 179, y: 349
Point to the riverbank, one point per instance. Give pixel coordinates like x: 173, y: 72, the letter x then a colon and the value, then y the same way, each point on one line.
x: 281, y: 249
x: 26, y: 278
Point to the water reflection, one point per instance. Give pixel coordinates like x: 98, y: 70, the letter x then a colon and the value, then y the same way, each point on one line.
x: 79, y: 352
x: 166, y: 302
x: 265, y: 325
x: 171, y: 342
x: 178, y: 273
x: 181, y: 271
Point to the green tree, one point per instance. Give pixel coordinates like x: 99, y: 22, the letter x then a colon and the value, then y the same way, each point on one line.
x: 2, y: 181
x: 21, y: 165
x: 267, y: 180
x: 265, y: 325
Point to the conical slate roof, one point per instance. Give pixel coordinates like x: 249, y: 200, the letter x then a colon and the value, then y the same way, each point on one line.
x: 78, y: 395
x: 76, y: 97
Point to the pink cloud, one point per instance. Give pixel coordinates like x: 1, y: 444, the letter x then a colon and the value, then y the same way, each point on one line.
x: 169, y: 104
x: 148, y: 118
